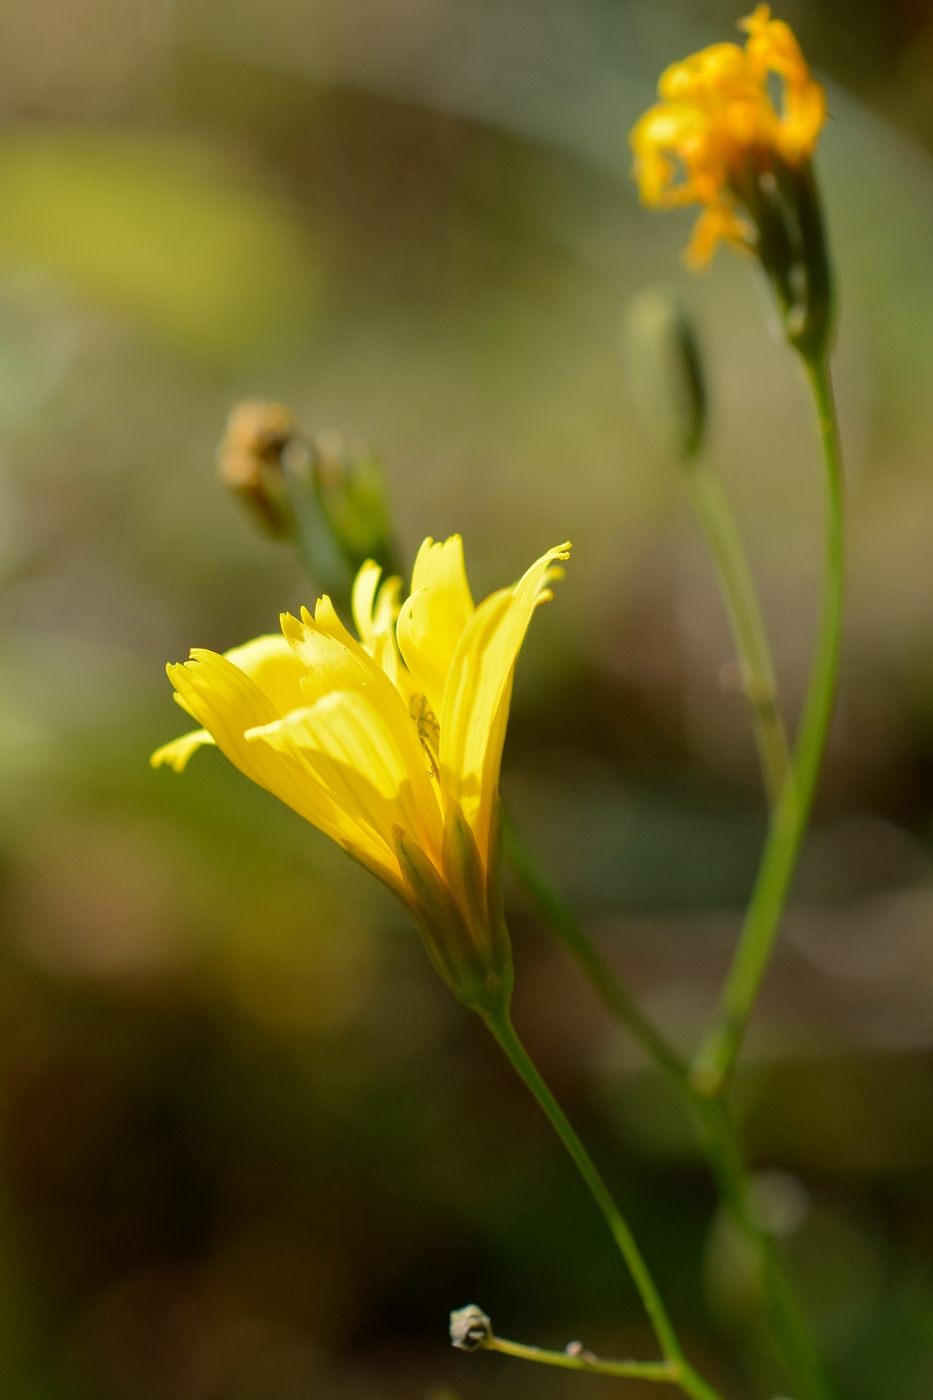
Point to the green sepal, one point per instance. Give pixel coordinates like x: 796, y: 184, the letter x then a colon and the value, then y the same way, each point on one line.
x: 495, y: 907
x: 783, y: 201
x: 463, y: 869
x: 468, y: 958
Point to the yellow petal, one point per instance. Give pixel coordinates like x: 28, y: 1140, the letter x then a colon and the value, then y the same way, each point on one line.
x: 228, y: 703
x: 387, y: 605
x: 334, y: 660
x: 327, y: 661
x: 269, y: 662
x: 431, y: 622
x: 476, y: 701
x: 177, y: 753
x: 275, y: 668
x: 349, y: 748
x: 363, y: 601
x: 374, y: 614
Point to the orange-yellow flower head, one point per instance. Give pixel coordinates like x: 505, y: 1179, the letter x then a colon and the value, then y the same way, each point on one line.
x: 390, y: 744
x: 719, y: 139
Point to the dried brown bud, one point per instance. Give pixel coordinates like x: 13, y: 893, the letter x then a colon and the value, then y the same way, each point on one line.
x: 250, y: 462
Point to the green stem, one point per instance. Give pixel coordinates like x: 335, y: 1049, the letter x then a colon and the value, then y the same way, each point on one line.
x: 722, y: 1148
x: 717, y: 1134
x: 662, y: 1371
x: 576, y: 940
x: 718, y: 1053
x: 689, y: 1380
x: 748, y: 629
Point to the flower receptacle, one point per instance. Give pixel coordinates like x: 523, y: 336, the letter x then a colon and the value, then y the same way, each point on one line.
x: 783, y: 202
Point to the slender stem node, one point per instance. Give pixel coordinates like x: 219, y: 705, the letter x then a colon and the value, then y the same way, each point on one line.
x: 663, y: 1371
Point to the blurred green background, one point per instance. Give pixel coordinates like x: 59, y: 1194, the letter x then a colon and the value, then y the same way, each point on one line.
x: 251, y: 1148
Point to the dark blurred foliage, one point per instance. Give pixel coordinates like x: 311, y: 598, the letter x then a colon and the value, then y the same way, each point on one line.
x: 251, y: 1148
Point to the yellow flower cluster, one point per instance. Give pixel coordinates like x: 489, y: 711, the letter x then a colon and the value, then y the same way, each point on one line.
x: 717, y: 125
x: 390, y: 744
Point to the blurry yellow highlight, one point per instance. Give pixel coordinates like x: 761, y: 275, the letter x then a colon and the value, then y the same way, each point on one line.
x: 390, y: 744
x: 717, y: 123
x: 169, y: 232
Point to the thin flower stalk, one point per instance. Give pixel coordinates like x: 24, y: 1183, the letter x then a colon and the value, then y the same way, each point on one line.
x: 719, y: 139
x: 679, y: 1369
x: 717, y: 1133
x: 716, y: 1059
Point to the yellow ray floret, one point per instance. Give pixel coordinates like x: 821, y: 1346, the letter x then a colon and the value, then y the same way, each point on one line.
x: 391, y: 747
x: 716, y: 122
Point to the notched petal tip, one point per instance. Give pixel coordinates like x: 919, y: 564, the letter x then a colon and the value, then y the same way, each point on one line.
x: 177, y: 753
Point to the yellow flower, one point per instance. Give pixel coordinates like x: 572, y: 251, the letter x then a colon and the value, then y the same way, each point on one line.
x: 717, y: 126
x: 718, y: 139
x: 391, y: 745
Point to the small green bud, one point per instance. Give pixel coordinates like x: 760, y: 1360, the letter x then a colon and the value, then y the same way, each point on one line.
x: 328, y: 500
x: 664, y: 366
x: 353, y: 495
x: 470, y: 1328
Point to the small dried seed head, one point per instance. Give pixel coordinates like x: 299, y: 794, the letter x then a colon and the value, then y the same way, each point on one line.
x: 470, y: 1328
x: 249, y: 462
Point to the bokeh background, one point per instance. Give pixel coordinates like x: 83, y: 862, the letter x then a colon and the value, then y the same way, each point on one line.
x: 251, y: 1148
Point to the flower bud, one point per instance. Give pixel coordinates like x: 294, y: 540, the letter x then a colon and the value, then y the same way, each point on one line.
x: 664, y: 367
x: 314, y: 493
x: 249, y: 462
x: 470, y: 1328
x: 351, y: 488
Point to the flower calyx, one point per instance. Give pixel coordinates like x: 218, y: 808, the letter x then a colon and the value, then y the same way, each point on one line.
x: 458, y: 910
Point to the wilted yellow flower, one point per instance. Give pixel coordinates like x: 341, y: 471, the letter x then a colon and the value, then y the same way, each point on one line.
x: 717, y: 138
x: 717, y: 124
x: 391, y: 745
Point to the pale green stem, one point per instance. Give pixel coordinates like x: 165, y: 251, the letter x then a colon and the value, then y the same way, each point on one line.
x: 578, y: 943
x: 663, y: 1371
x: 722, y: 1148
x: 689, y: 1380
x: 718, y: 1053
x: 748, y: 629
x: 717, y: 1133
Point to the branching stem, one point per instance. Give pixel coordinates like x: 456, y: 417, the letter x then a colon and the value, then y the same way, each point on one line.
x: 663, y: 1371
x: 689, y: 1380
